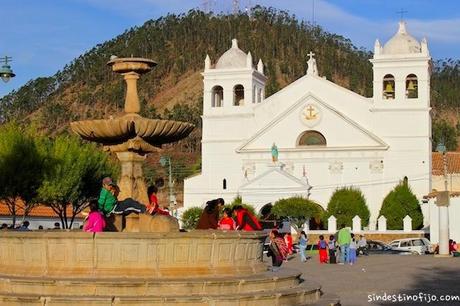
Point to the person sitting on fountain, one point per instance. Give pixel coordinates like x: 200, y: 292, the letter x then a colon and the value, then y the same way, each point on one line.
x: 209, y: 219
x: 108, y: 203
x: 153, y: 207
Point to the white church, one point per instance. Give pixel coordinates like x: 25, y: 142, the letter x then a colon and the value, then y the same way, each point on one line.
x: 326, y: 136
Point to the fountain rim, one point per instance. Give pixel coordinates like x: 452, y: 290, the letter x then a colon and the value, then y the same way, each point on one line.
x: 117, y: 60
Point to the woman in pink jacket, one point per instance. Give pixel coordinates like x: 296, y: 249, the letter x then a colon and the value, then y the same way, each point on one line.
x: 95, y: 222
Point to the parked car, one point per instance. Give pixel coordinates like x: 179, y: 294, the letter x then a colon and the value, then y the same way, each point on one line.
x: 375, y: 247
x: 418, y: 246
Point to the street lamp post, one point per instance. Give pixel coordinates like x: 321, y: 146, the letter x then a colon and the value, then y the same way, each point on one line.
x: 442, y: 202
x: 6, y: 73
x: 166, y: 160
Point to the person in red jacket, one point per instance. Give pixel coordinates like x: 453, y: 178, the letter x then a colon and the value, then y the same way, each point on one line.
x: 153, y: 207
x: 245, y: 220
x: 227, y: 222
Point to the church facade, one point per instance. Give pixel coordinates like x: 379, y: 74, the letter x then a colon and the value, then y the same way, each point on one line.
x: 314, y: 136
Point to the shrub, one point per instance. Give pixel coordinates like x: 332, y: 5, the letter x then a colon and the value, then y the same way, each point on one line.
x: 298, y: 209
x: 347, y: 202
x: 399, y: 203
x: 190, y: 217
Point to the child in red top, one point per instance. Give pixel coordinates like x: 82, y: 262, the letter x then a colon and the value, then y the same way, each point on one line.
x: 322, y: 248
x: 227, y: 222
x: 95, y: 222
x: 288, y: 240
x: 154, y: 207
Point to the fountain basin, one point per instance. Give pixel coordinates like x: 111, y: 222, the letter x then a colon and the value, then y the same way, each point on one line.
x: 116, y: 131
x: 130, y: 255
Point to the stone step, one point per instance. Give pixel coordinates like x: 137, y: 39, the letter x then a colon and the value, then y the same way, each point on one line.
x: 328, y: 299
x: 306, y: 293
x: 285, y: 278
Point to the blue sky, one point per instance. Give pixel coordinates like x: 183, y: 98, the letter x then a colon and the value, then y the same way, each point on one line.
x: 44, y: 35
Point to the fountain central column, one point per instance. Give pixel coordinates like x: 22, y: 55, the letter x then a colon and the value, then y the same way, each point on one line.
x: 131, y: 183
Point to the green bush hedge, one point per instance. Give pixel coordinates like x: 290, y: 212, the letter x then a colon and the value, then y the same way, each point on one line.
x: 399, y: 203
x: 345, y: 203
x: 298, y: 209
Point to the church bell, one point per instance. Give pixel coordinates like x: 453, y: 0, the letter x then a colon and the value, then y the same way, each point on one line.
x: 411, y: 86
x: 389, y: 88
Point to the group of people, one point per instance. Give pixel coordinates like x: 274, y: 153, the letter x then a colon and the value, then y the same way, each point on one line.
x: 108, y: 205
x: 24, y: 227
x: 345, y: 247
x: 237, y: 218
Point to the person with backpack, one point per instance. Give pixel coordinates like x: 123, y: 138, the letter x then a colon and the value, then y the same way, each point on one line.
x: 245, y: 221
x: 322, y: 248
x: 344, y: 239
x: 332, y: 250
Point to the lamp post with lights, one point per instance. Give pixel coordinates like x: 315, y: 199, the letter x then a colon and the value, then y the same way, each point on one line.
x: 6, y: 73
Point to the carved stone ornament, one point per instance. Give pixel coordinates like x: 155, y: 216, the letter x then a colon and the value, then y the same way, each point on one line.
x: 310, y: 115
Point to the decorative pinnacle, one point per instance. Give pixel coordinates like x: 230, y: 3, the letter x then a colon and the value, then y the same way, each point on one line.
x: 234, y: 43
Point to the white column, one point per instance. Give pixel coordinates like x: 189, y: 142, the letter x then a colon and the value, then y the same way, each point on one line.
x: 443, y: 230
x: 407, y: 224
x: 331, y: 224
x: 356, y: 224
x: 382, y: 224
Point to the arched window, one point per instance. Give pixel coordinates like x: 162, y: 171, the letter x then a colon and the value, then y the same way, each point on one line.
x: 389, y: 87
x: 217, y: 96
x: 411, y: 87
x: 238, y: 95
x: 254, y: 94
x: 311, y: 138
x: 259, y: 95
x: 224, y: 184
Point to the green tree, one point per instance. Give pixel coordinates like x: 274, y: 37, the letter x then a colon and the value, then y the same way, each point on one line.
x: 73, y: 176
x: 21, y: 169
x: 443, y: 131
x: 399, y: 203
x: 190, y: 217
x: 298, y: 209
x: 347, y: 202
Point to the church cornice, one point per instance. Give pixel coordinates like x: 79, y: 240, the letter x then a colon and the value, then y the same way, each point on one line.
x: 381, y: 144
x: 319, y: 149
x: 398, y: 108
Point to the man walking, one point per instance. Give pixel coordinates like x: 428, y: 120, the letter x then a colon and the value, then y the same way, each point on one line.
x: 344, y: 239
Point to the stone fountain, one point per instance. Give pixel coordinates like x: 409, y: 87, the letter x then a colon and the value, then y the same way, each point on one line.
x: 143, y: 265
x: 131, y: 137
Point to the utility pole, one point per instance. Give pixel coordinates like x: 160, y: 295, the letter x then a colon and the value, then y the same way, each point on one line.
x: 166, y: 160
x: 236, y: 7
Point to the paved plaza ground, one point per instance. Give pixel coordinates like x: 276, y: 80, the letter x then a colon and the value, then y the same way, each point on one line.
x: 393, y: 274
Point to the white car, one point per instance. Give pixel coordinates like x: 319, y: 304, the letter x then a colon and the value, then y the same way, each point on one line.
x: 418, y: 246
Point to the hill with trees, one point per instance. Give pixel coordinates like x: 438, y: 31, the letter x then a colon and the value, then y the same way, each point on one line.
x: 86, y: 88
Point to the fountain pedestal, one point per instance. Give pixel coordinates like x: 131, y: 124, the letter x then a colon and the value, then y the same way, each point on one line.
x: 131, y: 183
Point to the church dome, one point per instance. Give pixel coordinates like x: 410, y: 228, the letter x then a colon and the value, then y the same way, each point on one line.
x: 402, y: 42
x: 232, y: 58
